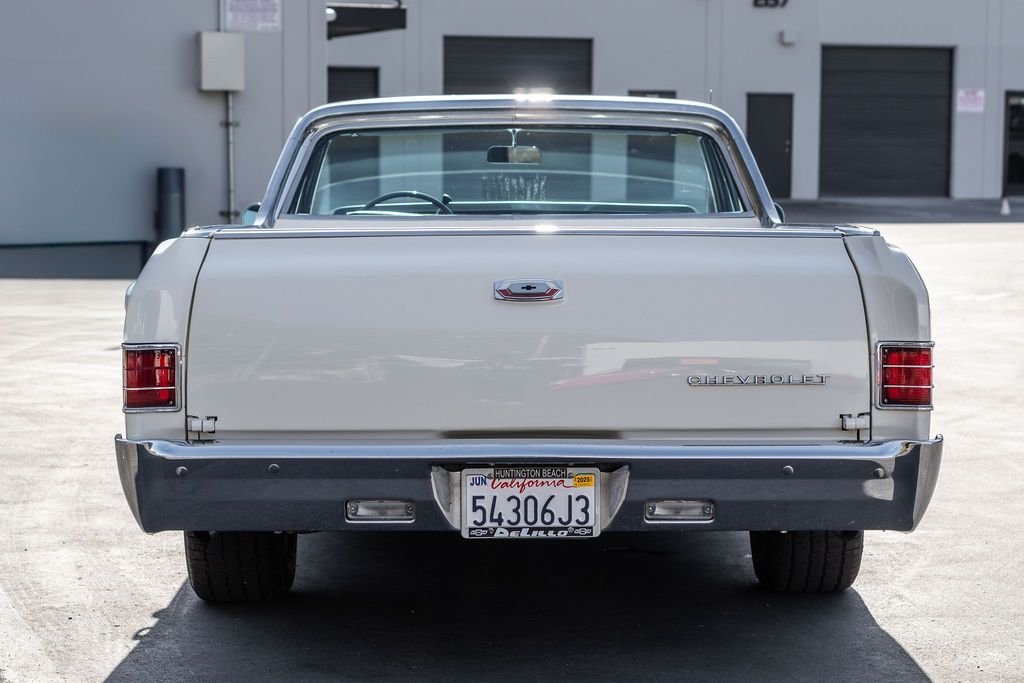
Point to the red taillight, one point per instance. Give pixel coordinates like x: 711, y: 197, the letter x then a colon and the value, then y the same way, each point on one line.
x: 905, y: 377
x: 150, y: 378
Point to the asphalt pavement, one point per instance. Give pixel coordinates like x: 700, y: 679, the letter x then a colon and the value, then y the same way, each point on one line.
x: 85, y: 595
x: 914, y: 210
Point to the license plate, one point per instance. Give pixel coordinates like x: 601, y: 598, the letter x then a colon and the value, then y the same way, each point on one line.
x: 531, y: 502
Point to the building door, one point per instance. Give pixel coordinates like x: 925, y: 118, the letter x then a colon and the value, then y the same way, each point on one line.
x: 1014, y: 165
x: 649, y: 167
x: 770, y: 134
x: 482, y: 66
x: 363, y: 154
x: 885, y: 121
x: 352, y: 83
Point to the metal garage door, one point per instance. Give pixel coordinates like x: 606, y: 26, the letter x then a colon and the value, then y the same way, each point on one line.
x: 488, y: 66
x: 885, y: 121
x: 477, y: 65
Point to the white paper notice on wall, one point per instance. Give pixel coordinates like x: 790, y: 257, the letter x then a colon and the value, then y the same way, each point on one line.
x: 252, y: 15
x: 970, y: 100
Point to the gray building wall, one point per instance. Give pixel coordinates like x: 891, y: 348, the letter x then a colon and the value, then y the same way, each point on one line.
x: 96, y: 95
x: 733, y: 48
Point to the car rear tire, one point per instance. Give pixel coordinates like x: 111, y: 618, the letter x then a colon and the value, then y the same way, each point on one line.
x: 807, y: 561
x: 240, y: 566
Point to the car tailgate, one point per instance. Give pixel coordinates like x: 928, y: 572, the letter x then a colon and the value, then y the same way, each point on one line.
x: 401, y: 336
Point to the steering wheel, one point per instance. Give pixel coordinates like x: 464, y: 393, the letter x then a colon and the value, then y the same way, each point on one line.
x: 422, y: 196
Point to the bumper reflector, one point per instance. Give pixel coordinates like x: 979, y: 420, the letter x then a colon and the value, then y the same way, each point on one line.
x: 380, y: 511
x: 679, y: 511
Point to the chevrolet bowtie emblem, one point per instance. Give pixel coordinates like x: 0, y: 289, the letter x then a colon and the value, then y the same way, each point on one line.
x: 528, y: 290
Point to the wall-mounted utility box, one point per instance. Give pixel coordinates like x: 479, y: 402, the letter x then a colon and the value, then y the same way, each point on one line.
x: 221, y: 61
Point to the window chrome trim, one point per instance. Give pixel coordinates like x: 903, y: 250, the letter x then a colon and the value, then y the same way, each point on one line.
x: 179, y: 364
x: 879, y: 366
x: 737, y: 157
x: 331, y: 229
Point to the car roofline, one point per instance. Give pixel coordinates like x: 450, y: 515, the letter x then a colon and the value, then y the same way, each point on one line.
x: 515, y: 104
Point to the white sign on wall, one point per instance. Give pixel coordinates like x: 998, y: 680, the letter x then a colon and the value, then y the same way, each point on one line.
x: 970, y: 100
x: 252, y: 15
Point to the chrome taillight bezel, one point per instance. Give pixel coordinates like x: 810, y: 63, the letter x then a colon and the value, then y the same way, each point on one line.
x: 178, y: 367
x: 879, y: 373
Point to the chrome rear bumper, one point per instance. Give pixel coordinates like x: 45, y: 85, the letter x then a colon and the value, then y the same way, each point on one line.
x: 293, y: 487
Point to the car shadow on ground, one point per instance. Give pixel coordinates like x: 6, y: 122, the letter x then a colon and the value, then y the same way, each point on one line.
x: 435, y: 607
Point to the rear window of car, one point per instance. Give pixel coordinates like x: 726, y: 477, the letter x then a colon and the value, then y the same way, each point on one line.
x: 522, y: 170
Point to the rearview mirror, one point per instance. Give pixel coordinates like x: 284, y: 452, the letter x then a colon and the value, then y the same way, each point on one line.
x: 513, y: 154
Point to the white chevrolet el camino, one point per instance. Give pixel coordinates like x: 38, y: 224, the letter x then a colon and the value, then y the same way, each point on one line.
x: 525, y: 318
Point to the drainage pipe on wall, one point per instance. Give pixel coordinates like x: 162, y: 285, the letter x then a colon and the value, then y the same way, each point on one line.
x: 230, y: 124
x: 229, y: 213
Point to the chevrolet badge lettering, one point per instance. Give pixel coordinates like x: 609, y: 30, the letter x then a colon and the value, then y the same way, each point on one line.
x: 754, y: 380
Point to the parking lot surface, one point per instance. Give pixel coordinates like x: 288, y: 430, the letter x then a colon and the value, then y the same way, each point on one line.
x: 85, y: 595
